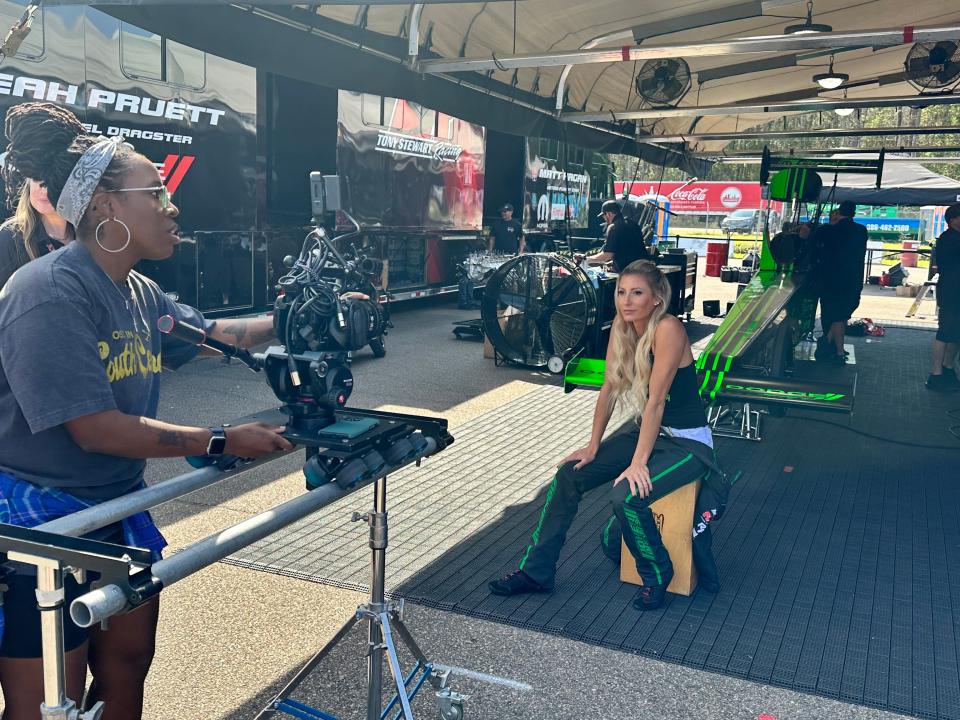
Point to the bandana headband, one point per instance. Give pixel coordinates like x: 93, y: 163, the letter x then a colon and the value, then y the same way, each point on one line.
x: 84, y: 179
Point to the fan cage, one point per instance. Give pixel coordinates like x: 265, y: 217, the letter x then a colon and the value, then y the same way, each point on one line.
x: 538, y: 306
x: 933, y: 66
x: 664, y: 80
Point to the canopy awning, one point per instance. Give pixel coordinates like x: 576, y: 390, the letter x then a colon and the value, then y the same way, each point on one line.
x: 366, y: 47
x: 301, y: 44
x: 902, y: 183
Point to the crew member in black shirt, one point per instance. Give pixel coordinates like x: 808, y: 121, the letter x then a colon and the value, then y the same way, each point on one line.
x: 623, y: 244
x: 506, y: 234
x: 943, y: 376
x: 841, y: 279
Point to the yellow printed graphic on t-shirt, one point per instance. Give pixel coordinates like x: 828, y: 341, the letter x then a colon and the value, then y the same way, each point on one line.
x: 129, y: 359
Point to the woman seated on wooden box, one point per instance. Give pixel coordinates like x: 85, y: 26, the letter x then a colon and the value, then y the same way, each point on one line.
x: 665, y: 445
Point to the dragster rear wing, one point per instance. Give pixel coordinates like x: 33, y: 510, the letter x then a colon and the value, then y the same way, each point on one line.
x: 789, y: 392
x: 758, y: 390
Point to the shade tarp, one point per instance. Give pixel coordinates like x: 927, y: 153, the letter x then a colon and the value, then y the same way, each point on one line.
x: 494, y: 29
x: 902, y: 183
x: 329, y: 53
x: 481, y: 29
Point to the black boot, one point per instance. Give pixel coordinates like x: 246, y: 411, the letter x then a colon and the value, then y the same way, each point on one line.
x: 941, y: 384
x: 517, y: 583
x: 650, y: 597
x: 824, y: 349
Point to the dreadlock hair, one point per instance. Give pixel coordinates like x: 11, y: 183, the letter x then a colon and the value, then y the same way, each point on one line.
x: 46, y: 141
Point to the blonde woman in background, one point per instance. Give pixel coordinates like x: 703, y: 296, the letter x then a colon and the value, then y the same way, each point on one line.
x: 664, y: 445
x: 34, y: 230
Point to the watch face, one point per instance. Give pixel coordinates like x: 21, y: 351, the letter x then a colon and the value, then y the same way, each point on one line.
x: 218, y: 443
x: 555, y: 364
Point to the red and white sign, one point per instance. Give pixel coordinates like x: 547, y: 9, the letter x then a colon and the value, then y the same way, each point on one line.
x: 700, y: 197
x: 731, y: 197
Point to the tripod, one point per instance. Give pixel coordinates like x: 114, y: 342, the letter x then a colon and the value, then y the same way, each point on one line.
x: 384, y: 619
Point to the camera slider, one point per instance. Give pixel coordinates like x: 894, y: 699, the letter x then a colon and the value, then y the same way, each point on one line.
x: 357, y: 444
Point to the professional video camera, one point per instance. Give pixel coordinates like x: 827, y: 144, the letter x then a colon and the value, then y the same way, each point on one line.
x: 327, y: 308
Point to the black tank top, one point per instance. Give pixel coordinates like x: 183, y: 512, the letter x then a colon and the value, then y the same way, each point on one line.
x: 683, y: 408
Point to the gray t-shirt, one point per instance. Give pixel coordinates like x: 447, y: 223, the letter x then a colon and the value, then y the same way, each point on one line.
x: 71, y: 345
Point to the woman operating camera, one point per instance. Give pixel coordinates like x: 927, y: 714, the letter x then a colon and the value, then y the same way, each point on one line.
x: 80, y: 364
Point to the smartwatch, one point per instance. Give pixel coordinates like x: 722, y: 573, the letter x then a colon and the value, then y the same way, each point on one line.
x: 218, y: 442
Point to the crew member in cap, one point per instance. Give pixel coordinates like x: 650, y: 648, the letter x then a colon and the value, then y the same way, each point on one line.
x: 620, y: 246
x: 844, y: 246
x: 506, y: 234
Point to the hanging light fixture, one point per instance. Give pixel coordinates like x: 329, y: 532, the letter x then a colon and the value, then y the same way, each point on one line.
x: 808, y: 25
x: 844, y: 111
x: 830, y: 80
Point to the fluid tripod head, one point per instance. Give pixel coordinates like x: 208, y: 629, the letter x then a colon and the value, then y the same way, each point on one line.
x: 324, y: 311
x: 322, y: 314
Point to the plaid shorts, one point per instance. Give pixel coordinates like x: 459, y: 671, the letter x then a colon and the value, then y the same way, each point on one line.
x: 27, y: 505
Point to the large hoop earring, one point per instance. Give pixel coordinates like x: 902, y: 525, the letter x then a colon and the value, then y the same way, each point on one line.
x: 96, y: 235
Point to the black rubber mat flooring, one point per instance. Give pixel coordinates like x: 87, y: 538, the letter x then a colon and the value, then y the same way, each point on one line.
x: 838, y: 554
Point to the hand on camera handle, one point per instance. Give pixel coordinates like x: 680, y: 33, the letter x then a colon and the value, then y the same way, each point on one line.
x: 253, y: 440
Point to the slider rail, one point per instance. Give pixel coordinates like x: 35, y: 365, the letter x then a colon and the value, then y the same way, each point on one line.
x: 111, y: 598
x: 128, y: 575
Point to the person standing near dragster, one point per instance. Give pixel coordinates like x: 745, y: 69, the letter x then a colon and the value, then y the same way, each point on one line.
x: 843, y: 248
x: 506, y: 234
x: 665, y: 445
x: 943, y: 375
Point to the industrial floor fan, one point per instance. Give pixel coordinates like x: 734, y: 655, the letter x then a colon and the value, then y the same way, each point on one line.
x: 538, y: 309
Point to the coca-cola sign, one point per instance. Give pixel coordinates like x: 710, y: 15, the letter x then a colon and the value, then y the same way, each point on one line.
x: 699, y: 197
x: 692, y: 195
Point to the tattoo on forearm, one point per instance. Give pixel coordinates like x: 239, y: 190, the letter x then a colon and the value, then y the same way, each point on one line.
x: 172, y: 438
x: 245, y: 333
x: 238, y: 330
x: 261, y: 335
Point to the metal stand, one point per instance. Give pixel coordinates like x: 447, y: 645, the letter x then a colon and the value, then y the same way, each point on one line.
x: 50, y: 600
x: 735, y: 420
x: 384, y: 618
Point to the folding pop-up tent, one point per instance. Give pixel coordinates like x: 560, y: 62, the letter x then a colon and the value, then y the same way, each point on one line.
x: 903, y: 183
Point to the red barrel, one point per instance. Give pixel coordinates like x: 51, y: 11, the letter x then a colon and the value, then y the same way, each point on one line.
x: 909, y: 259
x: 716, y: 257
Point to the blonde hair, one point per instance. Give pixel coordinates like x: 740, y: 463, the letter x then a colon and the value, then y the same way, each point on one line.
x: 630, y: 365
x: 26, y: 218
